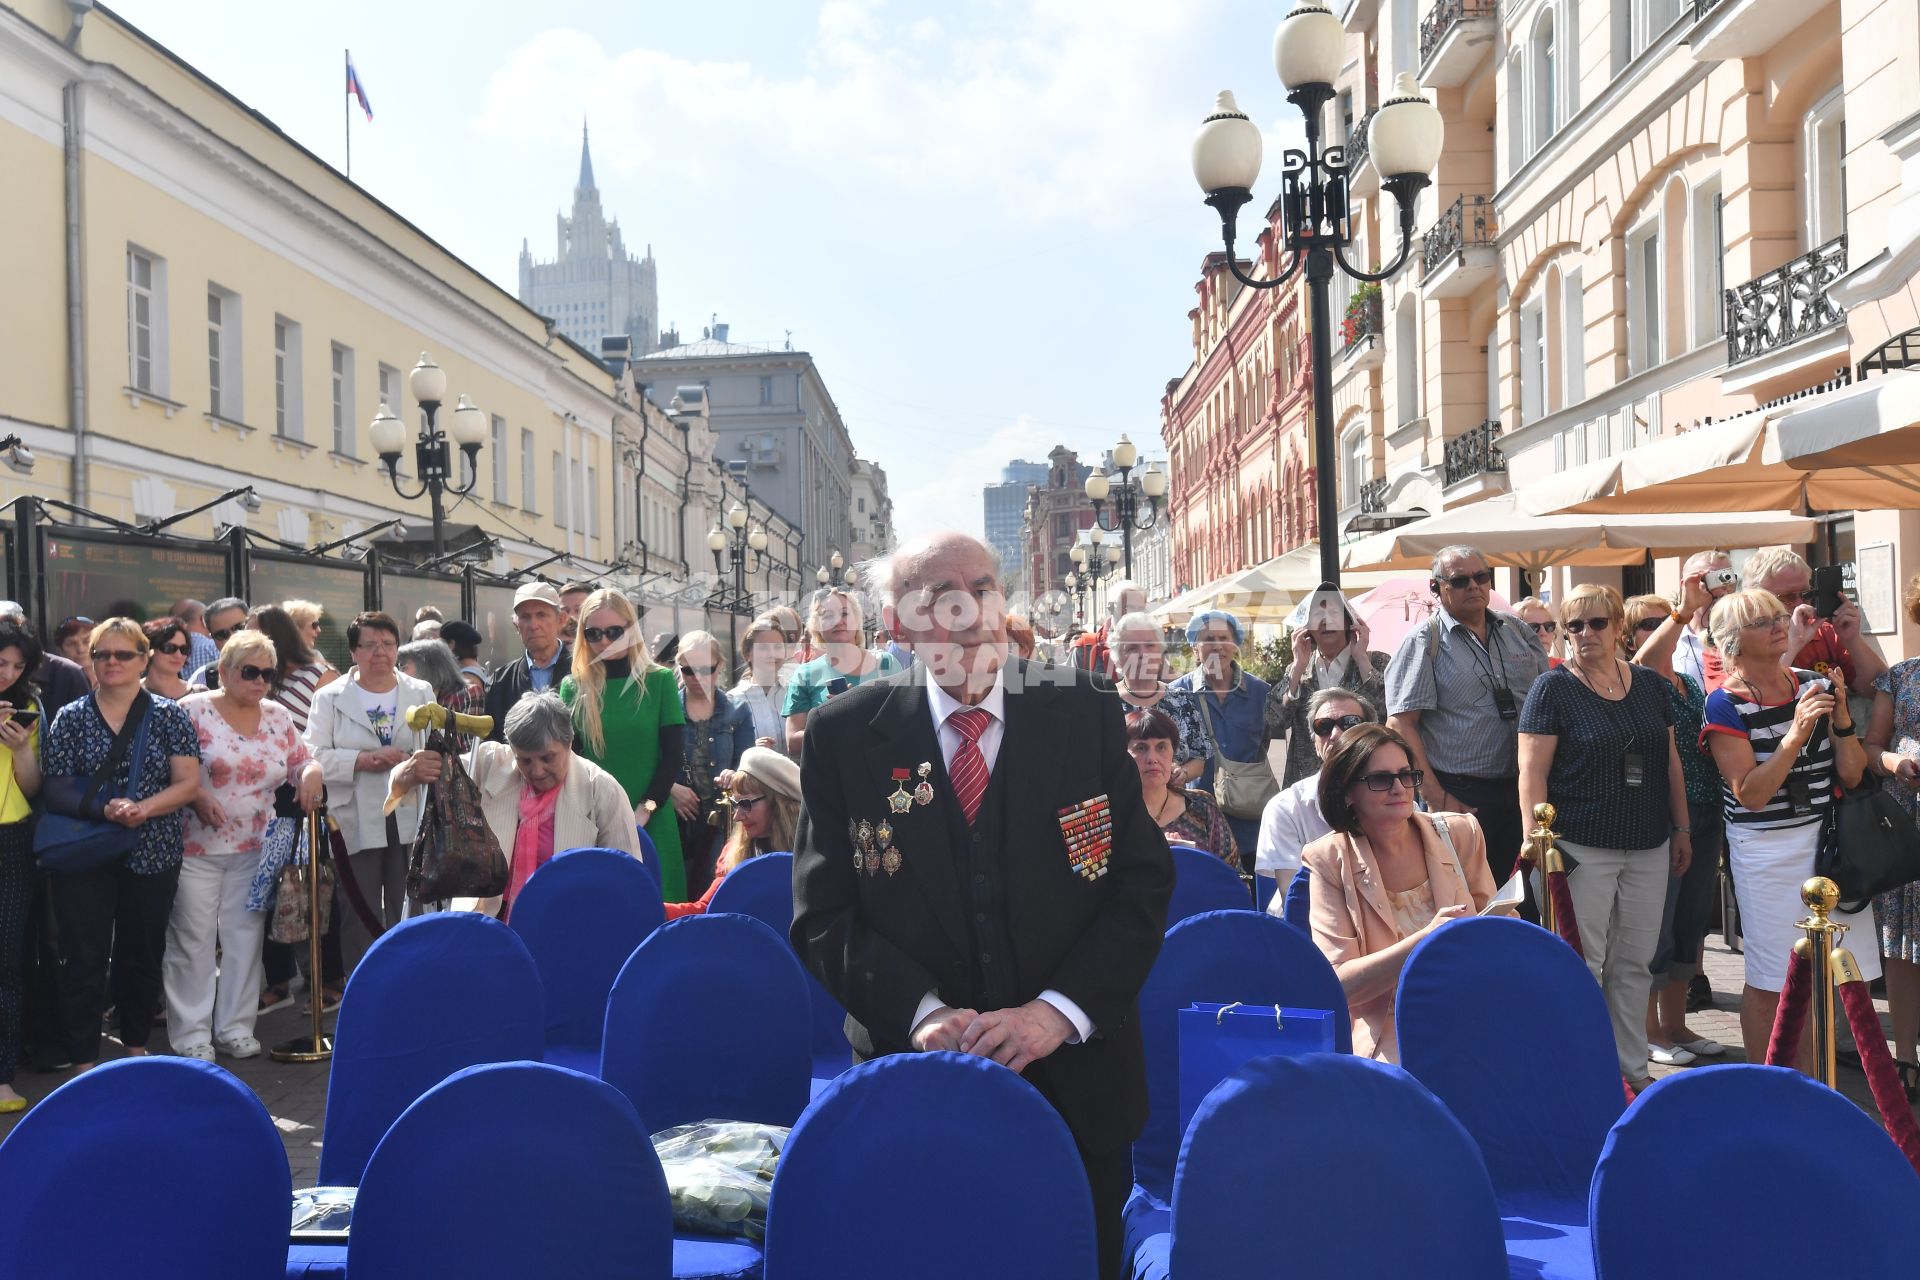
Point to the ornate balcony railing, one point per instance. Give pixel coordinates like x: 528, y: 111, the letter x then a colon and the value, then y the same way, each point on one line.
x: 1901, y: 351
x: 1474, y: 452
x: 1468, y: 223
x: 1362, y: 322
x: 1373, y: 496
x: 1701, y: 8
x: 1786, y: 304
x: 1357, y: 141
x: 1445, y: 16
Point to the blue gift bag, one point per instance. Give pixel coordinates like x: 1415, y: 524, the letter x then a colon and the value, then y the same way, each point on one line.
x: 1217, y: 1040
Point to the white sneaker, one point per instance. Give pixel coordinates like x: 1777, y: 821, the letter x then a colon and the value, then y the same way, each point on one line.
x: 1670, y: 1057
x: 198, y: 1052
x: 244, y: 1047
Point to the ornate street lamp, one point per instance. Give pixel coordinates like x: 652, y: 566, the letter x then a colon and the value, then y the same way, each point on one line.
x: 739, y: 552
x: 1316, y: 227
x: 1079, y: 583
x: 428, y: 383
x: 836, y: 573
x: 1126, y: 495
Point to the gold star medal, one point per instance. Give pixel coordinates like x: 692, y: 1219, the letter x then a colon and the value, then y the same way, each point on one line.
x: 900, y: 801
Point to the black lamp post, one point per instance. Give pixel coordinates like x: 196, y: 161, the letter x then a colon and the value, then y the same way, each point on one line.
x: 1316, y: 221
x: 735, y: 551
x: 1126, y: 495
x: 428, y: 382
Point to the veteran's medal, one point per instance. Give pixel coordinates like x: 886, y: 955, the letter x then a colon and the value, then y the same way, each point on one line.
x: 900, y: 801
x: 923, y: 794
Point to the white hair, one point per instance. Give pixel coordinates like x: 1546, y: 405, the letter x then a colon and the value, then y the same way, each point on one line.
x: 890, y: 578
x: 1136, y: 621
x: 1117, y: 593
x: 1458, y: 551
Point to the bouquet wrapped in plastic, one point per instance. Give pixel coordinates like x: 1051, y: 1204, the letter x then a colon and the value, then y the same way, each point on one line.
x: 720, y: 1175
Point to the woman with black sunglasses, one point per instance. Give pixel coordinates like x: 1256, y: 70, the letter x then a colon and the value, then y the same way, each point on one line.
x: 1387, y: 877
x: 170, y: 649
x: 719, y: 731
x: 1596, y: 739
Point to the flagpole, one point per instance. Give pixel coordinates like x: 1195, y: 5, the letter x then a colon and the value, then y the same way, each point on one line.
x: 346, y: 100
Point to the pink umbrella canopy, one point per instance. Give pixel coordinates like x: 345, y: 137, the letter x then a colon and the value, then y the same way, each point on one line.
x: 1398, y: 605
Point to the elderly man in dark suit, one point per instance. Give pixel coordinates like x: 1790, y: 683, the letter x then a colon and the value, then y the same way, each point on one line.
x: 974, y: 869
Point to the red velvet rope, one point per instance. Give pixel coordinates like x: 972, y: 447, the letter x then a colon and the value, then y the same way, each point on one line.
x: 1563, y: 911
x: 1790, y: 1016
x: 1888, y: 1094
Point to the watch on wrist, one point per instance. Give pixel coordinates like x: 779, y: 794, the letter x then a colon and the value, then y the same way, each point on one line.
x: 1682, y: 830
x: 1844, y: 731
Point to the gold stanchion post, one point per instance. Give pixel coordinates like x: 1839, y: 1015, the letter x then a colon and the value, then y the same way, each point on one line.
x: 1825, y: 959
x: 1545, y: 855
x: 316, y: 1046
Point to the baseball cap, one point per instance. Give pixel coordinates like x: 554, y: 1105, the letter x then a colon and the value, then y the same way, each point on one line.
x: 536, y: 593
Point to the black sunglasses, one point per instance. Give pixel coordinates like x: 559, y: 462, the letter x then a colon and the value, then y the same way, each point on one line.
x: 1576, y: 625
x: 226, y: 633
x: 702, y: 672
x: 1647, y: 626
x: 743, y: 803
x: 1461, y: 581
x: 1384, y: 779
x: 1545, y: 628
x: 173, y: 648
x: 251, y: 673
x: 1324, y: 728
x: 594, y: 635
x: 116, y: 655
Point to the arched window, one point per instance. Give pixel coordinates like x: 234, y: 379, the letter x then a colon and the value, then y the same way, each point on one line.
x: 1546, y: 86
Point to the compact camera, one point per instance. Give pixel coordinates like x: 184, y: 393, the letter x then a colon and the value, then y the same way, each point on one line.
x: 1717, y: 579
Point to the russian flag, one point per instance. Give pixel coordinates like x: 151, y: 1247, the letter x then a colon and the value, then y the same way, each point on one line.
x: 357, y: 89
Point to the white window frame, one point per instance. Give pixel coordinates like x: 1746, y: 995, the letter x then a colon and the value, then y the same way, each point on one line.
x: 1709, y: 263
x: 498, y: 439
x: 559, y: 491
x: 1823, y: 170
x: 1573, y: 339
x: 226, y: 387
x: 529, y: 455
x: 146, y: 321
x: 341, y: 376
x: 1353, y: 465
x: 1543, y: 75
x: 288, y: 419
x: 1533, y: 360
x: 1645, y: 298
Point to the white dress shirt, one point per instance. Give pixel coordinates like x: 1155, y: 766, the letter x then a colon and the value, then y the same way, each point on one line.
x: 1290, y: 822
x: 943, y: 704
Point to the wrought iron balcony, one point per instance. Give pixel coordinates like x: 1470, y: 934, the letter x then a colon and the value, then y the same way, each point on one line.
x: 1786, y: 304
x: 1357, y: 141
x: 1475, y: 452
x: 1448, y: 14
x: 1362, y: 322
x: 1702, y: 8
x: 1467, y: 224
x: 1373, y: 496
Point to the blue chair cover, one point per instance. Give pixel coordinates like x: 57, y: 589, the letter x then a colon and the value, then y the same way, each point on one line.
x: 647, y: 849
x: 1202, y: 882
x: 512, y: 1170
x: 1792, y: 1177
x: 1356, y: 1172
x: 708, y: 1021
x: 1298, y: 909
x: 434, y: 994
x: 762, y: 887
x: 1505, y: 1024
x: 164, y: 1167
x: 1264, y: 887
x: 581, y: 916
x: 936, y: 1165
x: 1219, y: 956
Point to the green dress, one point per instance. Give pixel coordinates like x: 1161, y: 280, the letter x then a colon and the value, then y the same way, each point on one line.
x: 631, y: 728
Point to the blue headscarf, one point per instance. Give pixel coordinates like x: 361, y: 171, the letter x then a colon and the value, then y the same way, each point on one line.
x: 1199, y: 622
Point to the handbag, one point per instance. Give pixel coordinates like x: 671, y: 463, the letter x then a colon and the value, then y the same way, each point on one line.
x: 73, y: 836
x: 1217, y: 1040
x: 456, y: 854
x: 1870, y: 845
x: 1242, y: 787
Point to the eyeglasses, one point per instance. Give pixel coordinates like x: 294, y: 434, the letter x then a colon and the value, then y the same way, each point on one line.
x: 173, y: 648
x: 741, y: 804
x: 702, y: 672
x: 377, y: 646
x: 251, y: 673
x: 1325, y: 728
x: 225, y: 634
x: 1544, y: 628
x: 1776, y: 620
x: 594, y: 635
x: 116, y: 655
x: 1647, y: 626
x: 1384, y: 779
x: 1791, y: 599
x: 1461, y: 581
x: 1576, y: 625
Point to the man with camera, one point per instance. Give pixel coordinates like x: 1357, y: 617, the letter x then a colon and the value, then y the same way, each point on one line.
x: 1454, y: 690
x: 1823, y: 628
x: 1712, y: 573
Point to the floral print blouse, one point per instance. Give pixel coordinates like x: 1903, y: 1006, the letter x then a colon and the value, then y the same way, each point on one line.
x: 79, y: 743
x: 241, y: 772
x: 1202, y: 825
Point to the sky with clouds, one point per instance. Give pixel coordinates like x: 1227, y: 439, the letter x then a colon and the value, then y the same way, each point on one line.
x: 978, y: 216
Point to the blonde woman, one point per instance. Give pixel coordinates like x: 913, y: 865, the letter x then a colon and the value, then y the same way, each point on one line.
x: 307, y: 615
x: 1538, y: 615
x: 836, y: 625
x: 627, y: 713
x: 765, y: 803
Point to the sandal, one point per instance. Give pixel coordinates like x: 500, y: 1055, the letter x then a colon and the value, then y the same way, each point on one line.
x: 1909, y: 1078
x: 273, y: 997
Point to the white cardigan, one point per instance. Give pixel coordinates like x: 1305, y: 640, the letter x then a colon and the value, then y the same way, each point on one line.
x: 338, y: 732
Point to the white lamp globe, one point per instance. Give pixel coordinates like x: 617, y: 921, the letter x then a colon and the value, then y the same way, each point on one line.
x: 1226, y: 151
x: 1405, y: 136
x: 428, y: 381
x: 1307, y: 46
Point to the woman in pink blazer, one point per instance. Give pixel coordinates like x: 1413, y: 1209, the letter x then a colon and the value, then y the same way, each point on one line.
x: 1386, y: 877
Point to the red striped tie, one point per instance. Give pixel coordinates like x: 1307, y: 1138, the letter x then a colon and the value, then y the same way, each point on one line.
x: 968, y: 769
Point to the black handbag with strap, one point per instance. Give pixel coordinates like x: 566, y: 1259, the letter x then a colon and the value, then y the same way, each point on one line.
x: 1870, y: 845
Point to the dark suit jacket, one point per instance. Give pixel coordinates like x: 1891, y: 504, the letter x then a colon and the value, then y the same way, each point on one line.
x: 512, y: 683
x: 879, y: 943
x: 61, y: 681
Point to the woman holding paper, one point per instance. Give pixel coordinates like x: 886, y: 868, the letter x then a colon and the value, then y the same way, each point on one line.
x: 1386, y: 877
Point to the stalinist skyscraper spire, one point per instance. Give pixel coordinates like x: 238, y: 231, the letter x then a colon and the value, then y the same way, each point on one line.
x: 593, y: 287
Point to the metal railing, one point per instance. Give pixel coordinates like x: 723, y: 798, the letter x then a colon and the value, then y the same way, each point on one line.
x: 1786, y: 304
x: 1447, y: 15
x: 1366, y: 322
x: 1474, y: 452
x: 1357, y: 141
x: 1468, y: 223
x: 1373, y: 496
x: 1901, y: 351
x: 1702, y: 8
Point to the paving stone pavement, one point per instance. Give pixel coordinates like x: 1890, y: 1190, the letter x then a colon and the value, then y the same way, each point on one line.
x: 296, y: 1096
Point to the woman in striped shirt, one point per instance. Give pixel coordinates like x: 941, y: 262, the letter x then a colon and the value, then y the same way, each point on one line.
x: 1781, y: 737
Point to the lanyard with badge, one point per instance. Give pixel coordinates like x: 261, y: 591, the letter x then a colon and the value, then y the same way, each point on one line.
x: 1503, y: 700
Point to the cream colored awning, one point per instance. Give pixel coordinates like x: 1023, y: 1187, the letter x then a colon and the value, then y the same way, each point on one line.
x: 1266, y: 592
x: 1514, y: 540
